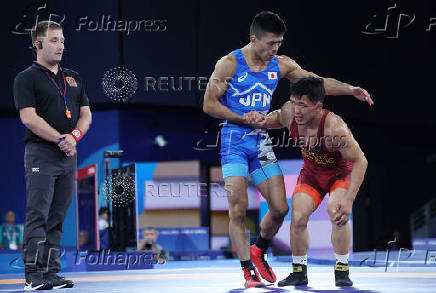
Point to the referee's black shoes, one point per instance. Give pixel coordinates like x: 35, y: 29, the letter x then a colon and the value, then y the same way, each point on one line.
x: 36, y: 281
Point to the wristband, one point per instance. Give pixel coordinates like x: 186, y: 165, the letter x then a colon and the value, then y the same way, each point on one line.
x: 77, y: 134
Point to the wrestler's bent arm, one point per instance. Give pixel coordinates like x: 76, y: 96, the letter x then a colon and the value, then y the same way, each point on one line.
x: 216, y: 88
x: 280, y: 118
x: 350, y: 150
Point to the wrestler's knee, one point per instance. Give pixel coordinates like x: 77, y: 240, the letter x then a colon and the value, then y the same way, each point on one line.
x: 237, y: 211
x: 299, y: 218
x: 279, y: 211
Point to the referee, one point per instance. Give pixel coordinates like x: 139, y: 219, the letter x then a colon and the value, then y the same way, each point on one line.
x: 54, y: 108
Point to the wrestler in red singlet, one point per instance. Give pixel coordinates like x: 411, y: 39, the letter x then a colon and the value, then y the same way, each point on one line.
x: 333, y: 162
x: 322, y: 171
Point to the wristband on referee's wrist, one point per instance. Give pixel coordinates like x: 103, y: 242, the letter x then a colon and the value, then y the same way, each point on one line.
x: 77, y: 134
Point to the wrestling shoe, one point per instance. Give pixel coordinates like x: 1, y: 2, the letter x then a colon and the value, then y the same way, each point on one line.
x: 258, y: 257
x: 298, y: 276
x: 341, y: 275
x: 252, y: 278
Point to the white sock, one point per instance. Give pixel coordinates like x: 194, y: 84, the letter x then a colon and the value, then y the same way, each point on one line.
x: 342, y: 258
x: 299, y: 259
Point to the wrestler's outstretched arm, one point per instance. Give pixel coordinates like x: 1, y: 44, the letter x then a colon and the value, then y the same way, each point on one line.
x: 292, y: 71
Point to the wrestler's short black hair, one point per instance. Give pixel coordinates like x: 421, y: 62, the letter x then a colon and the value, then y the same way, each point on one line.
x: 313, y: 87
x: 267, y: 22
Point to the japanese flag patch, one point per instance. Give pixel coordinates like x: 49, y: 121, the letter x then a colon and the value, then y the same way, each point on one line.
x: 272, y: 75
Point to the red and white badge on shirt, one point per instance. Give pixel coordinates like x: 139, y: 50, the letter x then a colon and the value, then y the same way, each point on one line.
x: 272, y: 75
x: 71, y: 81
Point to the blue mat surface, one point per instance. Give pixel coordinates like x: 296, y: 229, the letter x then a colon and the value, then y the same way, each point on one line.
x: 226, y: 276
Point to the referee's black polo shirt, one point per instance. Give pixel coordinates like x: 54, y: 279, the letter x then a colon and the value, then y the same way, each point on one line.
x: 33, y: 88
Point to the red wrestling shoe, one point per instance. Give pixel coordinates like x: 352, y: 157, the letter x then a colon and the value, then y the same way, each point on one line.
x: 252, y: 278
x: 258, y: 258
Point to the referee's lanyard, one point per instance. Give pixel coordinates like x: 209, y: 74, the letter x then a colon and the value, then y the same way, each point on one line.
x: 67, y: 111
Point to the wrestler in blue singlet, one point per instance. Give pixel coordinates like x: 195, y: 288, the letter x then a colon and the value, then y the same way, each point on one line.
x: 245, y: 150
